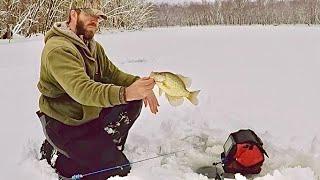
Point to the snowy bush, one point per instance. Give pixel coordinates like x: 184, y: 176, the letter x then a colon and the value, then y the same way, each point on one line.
x: 27, y: 17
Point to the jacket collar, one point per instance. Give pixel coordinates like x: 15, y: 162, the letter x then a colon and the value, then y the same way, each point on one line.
x: 62, y: 29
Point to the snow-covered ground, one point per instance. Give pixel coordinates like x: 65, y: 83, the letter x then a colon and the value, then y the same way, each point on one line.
x: 263, y: 78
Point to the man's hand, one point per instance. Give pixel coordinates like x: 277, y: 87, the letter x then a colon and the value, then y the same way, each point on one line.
x: 152, y: 101
x: 140, y: 89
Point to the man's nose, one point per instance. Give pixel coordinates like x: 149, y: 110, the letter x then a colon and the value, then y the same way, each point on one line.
x: 95, y: 19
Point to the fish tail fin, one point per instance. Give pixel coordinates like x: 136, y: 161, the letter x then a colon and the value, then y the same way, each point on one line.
x: 193, y: 97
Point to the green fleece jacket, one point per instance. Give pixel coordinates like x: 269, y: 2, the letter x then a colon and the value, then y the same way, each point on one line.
x: 77, y: 79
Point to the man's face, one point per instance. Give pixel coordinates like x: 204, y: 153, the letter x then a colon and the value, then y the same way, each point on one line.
x: 87, y: 25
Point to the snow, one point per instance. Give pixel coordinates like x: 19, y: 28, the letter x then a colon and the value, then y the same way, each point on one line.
x: 259, y: 77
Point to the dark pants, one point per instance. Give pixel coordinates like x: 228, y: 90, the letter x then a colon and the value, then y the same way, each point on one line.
x: 95, y: 145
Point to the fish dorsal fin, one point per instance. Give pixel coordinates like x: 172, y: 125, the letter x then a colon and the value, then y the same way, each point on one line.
x: 187, y: 81
x: 174, y: 101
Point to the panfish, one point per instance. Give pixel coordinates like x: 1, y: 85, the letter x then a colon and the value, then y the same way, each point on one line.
x: 175, y: 87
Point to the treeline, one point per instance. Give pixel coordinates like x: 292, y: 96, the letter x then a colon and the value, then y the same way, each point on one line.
x: 238, y: 12
x: 28, y: 17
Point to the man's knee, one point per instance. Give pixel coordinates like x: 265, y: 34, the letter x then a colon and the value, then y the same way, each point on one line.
x: 98, y: 152
x: 124, y: 166
x: 113, y: 159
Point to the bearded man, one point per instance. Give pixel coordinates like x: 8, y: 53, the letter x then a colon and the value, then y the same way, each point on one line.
x: 87, y: 105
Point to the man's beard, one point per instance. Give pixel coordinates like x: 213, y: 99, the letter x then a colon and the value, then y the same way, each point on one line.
x: 87, y: 35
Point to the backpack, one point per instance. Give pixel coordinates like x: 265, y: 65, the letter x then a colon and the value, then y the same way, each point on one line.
x: 243, y: 153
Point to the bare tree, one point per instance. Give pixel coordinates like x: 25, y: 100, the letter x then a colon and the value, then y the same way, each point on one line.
x: 127, y: 14
x: 25, y: 20
x: 238, y: 12
x: 33, y: 17
x: 54, y: 10
x: 7, y: 17
x: 27, y: 17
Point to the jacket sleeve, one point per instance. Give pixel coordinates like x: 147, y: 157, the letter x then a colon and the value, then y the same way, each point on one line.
x: 113, y: 73
x: 69, y: 71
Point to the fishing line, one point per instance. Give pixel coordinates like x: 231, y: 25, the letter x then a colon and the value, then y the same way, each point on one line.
x: 80, y: 176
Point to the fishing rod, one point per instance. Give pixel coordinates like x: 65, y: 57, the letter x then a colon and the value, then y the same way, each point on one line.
x: 80, y: 176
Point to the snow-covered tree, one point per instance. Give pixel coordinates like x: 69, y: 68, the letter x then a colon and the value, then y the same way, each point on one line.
x: 27, y: 17
x: 127, y: 14
x: 8, y: 16
x: 54, y: 11
x: 238, y: 12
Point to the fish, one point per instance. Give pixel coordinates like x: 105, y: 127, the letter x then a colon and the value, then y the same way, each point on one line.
x: 175, y: 87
